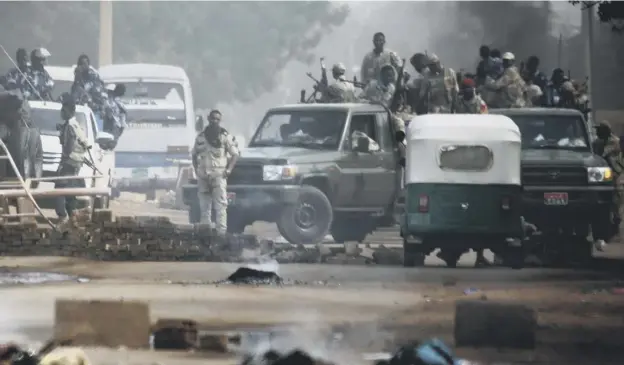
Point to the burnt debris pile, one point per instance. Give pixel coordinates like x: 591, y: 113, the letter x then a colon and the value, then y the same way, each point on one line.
x: 249, y: 276
x: 272, y: 357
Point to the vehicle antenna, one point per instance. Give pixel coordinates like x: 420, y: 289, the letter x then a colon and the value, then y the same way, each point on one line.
x: 20, y: 71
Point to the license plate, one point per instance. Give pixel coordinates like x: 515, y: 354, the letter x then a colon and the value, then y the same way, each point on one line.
x: 141, y: 172
x: 231, y: 197
x: 556, y: 198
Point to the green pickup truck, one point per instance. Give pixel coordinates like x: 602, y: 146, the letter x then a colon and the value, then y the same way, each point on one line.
x: 311, y: 169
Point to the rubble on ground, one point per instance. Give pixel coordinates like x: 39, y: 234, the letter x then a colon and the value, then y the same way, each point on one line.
x: 156, y: 238
x: 247, y: 275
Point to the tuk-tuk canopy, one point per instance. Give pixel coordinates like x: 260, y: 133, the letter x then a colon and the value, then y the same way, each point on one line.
x: 463, y: 149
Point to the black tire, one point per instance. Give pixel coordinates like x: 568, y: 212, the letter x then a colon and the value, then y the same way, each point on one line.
x: 194, y: 213
x: 411, y: 257
x: 349, y: 229
x: 451, y: 258
x: 308, y: 221
x: 514, y: 258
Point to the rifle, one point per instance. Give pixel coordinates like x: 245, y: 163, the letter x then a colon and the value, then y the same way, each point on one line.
x: 397, y: 97
x: 315, y: 88
x: 357, y: 84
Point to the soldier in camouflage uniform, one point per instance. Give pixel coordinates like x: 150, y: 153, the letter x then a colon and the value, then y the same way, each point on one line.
x: 340, y: 91
x: 115, y: 112
x: 510, y: 88
x: 440, y: 89
x: 74, y: 147
x: 41, y: 80
x: 381, y: 91
x: 214, y: 156
x: 469, y: 102
x: 88, y: 89
x: 608, y: 146
x: 376, y: 59
x: 17, y: 78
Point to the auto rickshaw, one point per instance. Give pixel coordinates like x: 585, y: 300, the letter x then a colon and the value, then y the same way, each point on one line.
x: 463, y: 189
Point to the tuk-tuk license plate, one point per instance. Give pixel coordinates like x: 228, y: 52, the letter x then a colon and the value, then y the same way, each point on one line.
x: 556, y: 198
x: 231, y: 197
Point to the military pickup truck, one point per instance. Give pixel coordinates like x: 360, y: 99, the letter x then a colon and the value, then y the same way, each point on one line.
x: 310, y: 169
x: 567, y: 188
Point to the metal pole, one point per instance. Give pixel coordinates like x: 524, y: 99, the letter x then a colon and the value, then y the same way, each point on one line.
x: 589, y: 52
x: 106, y: 33
x: 560, y: 51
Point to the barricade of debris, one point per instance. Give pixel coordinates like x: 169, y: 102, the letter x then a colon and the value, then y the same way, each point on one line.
x: 155, y: 238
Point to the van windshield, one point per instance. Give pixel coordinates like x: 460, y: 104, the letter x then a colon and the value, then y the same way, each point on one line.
x: 47, y: 120
x: 314, y: 129
x: 552, y: 132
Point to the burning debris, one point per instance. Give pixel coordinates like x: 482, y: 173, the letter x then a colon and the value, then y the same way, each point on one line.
x: 249, y: 276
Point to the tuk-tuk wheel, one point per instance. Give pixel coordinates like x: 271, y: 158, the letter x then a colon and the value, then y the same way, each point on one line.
x: 412, y: 257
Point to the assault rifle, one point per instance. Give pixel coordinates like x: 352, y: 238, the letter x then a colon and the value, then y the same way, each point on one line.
x: 398, y: 97
x: 319, y: 86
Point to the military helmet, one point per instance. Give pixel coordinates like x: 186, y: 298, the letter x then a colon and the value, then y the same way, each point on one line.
x: 433, y: 59
x: 509, y: 56
x: 339, y: 68
x: 40, y: 53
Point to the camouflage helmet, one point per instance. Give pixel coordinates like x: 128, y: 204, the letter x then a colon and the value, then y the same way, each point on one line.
x: 339, y: 68
x: 40, y: 53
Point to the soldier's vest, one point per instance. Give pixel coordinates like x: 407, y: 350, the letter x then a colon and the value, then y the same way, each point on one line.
x: 469, y: 107
x: 211, y: 153
x: 440, y: 86
x: 76, y: 155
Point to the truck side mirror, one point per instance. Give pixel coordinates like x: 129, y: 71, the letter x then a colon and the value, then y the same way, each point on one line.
x: 399, y: 136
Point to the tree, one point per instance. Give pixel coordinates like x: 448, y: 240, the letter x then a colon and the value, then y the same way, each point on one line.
x: 230, y: 50
x: 611, y: 12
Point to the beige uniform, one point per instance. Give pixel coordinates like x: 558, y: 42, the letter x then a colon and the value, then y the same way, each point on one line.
x: 510, y: 89
x: 212, y: 160
x: 74, y: 142
x: 372, y: 63
x: 441, y: 90
x: 340, y: 91
x: 376, y: 92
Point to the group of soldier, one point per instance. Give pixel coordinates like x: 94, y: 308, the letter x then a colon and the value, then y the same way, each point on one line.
x: 35, y: 83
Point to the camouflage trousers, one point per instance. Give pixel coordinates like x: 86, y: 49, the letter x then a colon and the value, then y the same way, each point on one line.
x: 212, y: 193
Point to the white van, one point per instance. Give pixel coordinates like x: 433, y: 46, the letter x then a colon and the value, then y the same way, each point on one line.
x: 161, y: 125
x: 46, y: 116
x: 63, y: 77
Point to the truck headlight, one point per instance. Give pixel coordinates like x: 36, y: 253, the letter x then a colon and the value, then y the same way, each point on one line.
x: 278, y: 172
x: 599, y: 174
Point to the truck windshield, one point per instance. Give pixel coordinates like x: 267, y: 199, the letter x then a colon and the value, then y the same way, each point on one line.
x: 552, y: 131
x: 312, y: 129
x: 47, y: 120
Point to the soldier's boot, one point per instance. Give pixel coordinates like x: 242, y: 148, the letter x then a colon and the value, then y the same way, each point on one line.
x: 481, y: 261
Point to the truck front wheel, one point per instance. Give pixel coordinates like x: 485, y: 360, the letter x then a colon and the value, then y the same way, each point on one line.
x: 307, y: 221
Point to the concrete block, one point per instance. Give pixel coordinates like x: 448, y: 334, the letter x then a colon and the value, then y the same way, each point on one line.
x: 102, y: 215
x: 24, y: 205
x: 491, y: 324
x: 214, y: 342
x: 102, y: 323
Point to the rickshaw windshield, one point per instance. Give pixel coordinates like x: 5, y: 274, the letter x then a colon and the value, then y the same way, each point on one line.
x: 564, y: 132
x: 313, y: 129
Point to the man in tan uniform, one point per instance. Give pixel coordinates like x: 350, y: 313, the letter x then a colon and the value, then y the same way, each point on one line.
x: 510, y: 87
x: 376, y: 59
x: 340, y: 91
x: 214, y: 156
x: 439, y: 87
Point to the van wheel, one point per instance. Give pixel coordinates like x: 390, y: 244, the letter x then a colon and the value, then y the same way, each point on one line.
x: 307, y: 221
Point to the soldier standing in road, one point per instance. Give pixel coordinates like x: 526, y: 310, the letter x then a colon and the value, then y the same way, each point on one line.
x: 74, y: 146
x: 214, y: 156
x: 470, y: 102
x: 340, y: 91
x: 510, y: 87
x: 440, y: 89
x: 608, y: 146
x: 41, y: 80
x: 376, y: 59
x: 381, y: 91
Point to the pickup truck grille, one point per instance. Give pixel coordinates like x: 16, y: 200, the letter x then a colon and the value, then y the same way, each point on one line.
x: 554, y: 176
x: 244, y: 174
